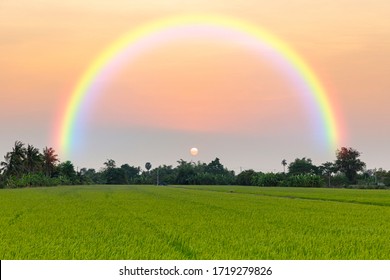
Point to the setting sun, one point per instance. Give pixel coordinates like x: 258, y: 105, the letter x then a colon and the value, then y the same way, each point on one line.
x: 194, y: 151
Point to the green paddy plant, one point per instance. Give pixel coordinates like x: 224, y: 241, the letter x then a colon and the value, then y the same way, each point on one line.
x: 193, y: 222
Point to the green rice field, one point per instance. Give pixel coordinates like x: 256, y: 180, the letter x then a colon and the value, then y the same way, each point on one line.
x: 194, y: 222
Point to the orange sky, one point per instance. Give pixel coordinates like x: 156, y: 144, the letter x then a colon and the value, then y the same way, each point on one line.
x: 205, y: 86
x: 45, y: 46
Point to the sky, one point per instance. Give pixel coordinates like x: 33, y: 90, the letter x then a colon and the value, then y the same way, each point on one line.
x: 199, y: 92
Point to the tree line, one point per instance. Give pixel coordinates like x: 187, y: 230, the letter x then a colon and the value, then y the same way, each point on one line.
x: 26, y: 166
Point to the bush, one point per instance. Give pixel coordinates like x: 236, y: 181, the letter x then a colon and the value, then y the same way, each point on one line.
x: 31, y: 180
x: 2, y: 182
x: 246, y: 178
x: 305, y: 180
x: 339, y: 180
x: 269, y: 179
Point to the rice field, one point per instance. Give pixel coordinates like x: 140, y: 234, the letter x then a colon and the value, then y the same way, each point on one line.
x: 194, y: 222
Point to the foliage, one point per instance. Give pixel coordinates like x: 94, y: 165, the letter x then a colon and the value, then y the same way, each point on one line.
x: 327, y: 169
x: 148, y: 166
x: 302, y: 166
x: 110, y: 164
x: 31, y: 180
x: 23, y: 167
x: 215, y: 167
x: 89, y: 176
x: 385, y: 178
x: 214, y: 173
x: 14, y: 161
x: 33, y: 159
x: 50, y: 159
x: 304, y: 180
x: 339, y: 180
x: 130, y: 172
x: 113, y: 175
x: 66, y: 171
x: 269, y: 179
x: 347, y: 162
x: 166, y: 174
x: 281, y: 179
x: 2, y: 181
x: 246, y: 178
x: 301, y: 172
x: 284, y: 163
x: 185, y: 173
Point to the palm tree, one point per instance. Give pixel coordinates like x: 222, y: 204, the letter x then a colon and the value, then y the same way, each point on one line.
x: 5, y: 165
x: 148, y: 166
x: 50, y: 159
x: 34, y: 159
x: 284, y: 163
x: 14, y: 160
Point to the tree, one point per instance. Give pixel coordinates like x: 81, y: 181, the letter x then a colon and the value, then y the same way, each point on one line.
x: 284, y: 163
x: 34, y: 160
x: 302, y: 166
x: 14, y: 160
x: 166, y: 174
x: 215, y: 167
x: 148, y: 166
x: 327, y: 169
x: 246, y: 178
x: 383, y: 177
x: 130, y: 172
x: 50, y: 159
x: 87, y: 176
x: 185, y: 173
x: 269, y: 179
x: 66, y: 169
x: 5, y: 165
x: 110, y: 163
x: 115, y: 176
x: 347, y: 162
x: 2, y: 183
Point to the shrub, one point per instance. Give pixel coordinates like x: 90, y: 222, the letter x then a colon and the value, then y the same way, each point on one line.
x: 305, y: 180
x: 246, y: 178
x: 31, y: 180
x: 339, y: 180
x: 269, y: 179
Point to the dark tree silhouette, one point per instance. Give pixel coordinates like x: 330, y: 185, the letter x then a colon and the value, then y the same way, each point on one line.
x: 50, y: 159
x: 302, y: 166
x: 148, y: 166
x: 14, y: 160
x: 110, y: 164
x: 327, y: 169
x: 34, y: 159
x: 347, y: 162
x: 284, y: 163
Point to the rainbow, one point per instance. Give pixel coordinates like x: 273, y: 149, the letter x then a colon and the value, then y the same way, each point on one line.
x: 172, y: 28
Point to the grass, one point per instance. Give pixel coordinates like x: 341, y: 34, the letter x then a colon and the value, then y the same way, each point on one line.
x: 193, y: 222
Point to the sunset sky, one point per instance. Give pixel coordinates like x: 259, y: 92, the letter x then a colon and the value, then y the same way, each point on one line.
x: 199, y: 92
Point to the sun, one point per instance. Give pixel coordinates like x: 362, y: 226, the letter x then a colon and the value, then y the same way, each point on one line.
x: 194, y: 151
